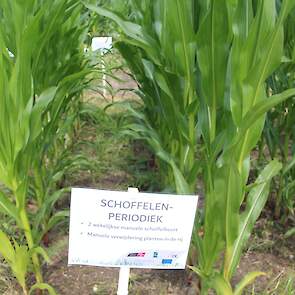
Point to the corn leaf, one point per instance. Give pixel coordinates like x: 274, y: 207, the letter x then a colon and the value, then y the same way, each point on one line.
x: 228, y: 186
x: 57, y: 218
x: 22, y: 260
x: 40, y: 251
x: 6, y: 248
x: 247, y: 280
x: 7, y: 207
x: 221, y: 286
x: 132, y: 30
x: 38, y: 110
x: 213, y: 51
x: 255, y: 203
x: 260, y: 109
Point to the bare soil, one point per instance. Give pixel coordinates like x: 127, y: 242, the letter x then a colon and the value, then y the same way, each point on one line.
x: 80, y: 280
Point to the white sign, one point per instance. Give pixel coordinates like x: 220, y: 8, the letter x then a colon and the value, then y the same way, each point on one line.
x: 137, y: 230
x: 102, y: 43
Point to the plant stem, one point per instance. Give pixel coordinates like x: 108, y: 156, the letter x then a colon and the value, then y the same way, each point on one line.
x: 30, y: 241
x: 204, y: 287
x: 227, y: 259
x: 279, y: 198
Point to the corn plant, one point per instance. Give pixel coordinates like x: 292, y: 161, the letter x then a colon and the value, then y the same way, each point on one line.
x: 170, y: 103
x: 248, y: 60
x: 202, y: 68
x: 245, y: 47
x: 279, y: 132
x: 55, y: 158
x: 20, y: 127
x: 282, y: 119
x: 18, y: 258
x: 34, y: 109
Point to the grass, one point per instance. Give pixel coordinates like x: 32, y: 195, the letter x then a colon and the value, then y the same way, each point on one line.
x: 106, y: 150
x: 283, y: 284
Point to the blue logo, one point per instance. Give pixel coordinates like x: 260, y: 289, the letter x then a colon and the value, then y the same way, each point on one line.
x: 166, y: 261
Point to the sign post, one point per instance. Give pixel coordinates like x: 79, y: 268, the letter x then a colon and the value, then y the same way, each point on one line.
x: 123, y: 280
x: 103, y: 44
x: 130, y: 230
x: 124, y: 273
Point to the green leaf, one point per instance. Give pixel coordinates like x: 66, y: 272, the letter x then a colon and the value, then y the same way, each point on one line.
x: 21, y: 263
x: 197, y: 271
x: 17, y: 257
x: 38, y: 110
x: 290, y: 233
x: 221, y: 286
x: 229, y: 193
x: 255, y: 203
x: 289, y: 166
x: 57, y: 218
x: 182, y: 186
x: 41, y: 251
x: 228, y: 187
x: 6, y: 248
x: 130, y: 29
x: 7, y: 207
x: 45, y: 210
x: 260, y: 109
x: 247, y: 280
x: 213, y: 52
